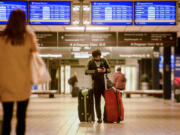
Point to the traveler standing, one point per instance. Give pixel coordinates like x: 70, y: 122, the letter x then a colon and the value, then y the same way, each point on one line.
x: 73, y: 80
x: 119, y: 80
x: 97, y: 67
x: 16, y: 46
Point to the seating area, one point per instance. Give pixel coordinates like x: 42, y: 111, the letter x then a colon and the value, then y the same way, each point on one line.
x: 143, y: 92
x: 128, y: 94
x: 51, y: 93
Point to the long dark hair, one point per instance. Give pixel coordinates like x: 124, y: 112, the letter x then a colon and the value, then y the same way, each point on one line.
x: 16, y: 27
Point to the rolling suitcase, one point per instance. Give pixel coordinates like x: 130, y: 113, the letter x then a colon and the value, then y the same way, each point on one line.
x: 75, y: 91
x: 86, y: 105
x: 114, y: 106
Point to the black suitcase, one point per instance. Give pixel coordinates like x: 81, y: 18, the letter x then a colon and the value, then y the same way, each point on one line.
x: 75, y: 91
x: 86, y: 105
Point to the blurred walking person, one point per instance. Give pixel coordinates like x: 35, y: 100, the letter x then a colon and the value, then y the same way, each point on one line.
x: 16, y: 46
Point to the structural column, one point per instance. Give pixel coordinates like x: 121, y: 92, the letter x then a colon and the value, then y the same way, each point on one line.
x: 155, y: 69
x: 167, y: 73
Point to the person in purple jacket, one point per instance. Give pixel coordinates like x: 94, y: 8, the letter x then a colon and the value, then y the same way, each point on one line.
x: 119, y: 80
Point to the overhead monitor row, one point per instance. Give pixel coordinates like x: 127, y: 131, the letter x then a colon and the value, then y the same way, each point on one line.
x: 102, y: 13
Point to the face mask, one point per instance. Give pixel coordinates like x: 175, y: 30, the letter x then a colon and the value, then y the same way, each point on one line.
x: 97, y: 60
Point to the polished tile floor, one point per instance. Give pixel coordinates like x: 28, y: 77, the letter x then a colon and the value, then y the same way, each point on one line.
x: 143, y: 116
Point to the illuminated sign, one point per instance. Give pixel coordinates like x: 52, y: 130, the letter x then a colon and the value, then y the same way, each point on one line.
x: 6, y: 7
x: 52, y: 12
x: 112, y: 13
x: 155, y: 13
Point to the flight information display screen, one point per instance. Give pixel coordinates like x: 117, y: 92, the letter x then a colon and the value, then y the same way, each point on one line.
x: 6, y: 7
x: 155, y: 13
x: 50, y: 12
x: 112, y: 13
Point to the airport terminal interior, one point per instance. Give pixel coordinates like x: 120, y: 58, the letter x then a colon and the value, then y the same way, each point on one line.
x: 140, y: 36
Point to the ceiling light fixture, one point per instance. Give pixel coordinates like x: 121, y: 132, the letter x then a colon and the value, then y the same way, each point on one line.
x: 50, y: 55
x: 82, y: 28
x: 97, y: 28
x: 86, y: 22
x: 75, y: 28
x: 76, y: 8
x: 86, y: 8
x: 75, y: 22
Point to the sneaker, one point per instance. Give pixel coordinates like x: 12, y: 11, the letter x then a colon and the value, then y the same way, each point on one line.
x: 99, y: 121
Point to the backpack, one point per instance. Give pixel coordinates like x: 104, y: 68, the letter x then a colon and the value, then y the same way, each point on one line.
x: 70, y: 81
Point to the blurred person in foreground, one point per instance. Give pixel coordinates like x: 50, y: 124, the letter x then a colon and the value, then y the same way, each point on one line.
x: 16, y: 46
x: 97, y: 67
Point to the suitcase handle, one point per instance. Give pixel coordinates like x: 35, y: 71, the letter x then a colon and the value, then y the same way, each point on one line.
x: 84, y: 92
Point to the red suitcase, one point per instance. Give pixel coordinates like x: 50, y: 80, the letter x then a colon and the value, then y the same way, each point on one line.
x: 114, y: 105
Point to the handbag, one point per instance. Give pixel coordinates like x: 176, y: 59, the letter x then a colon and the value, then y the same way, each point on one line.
x: 109, y: 84
x: 39, y: 71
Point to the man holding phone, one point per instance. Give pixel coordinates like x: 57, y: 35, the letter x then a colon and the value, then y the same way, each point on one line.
x: 97, y: 67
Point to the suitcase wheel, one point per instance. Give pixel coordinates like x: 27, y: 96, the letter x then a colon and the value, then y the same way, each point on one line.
x: 118, y: 120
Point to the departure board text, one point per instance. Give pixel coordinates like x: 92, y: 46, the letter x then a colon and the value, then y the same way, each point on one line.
x: 155, y: 13
x: 112, y: 13
x: 6, y: 7
x: 52, y: 12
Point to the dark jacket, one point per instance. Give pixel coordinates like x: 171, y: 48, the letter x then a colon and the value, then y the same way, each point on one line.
x: 91, y: 69
x: 72, y: 81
